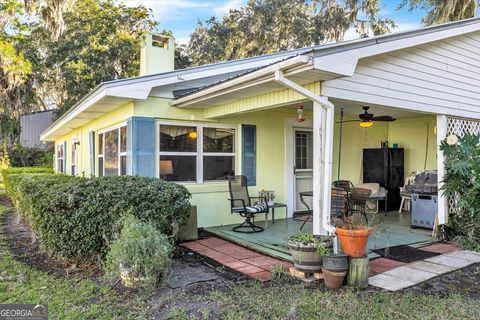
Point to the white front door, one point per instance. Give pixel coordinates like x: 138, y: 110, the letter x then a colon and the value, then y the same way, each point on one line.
x: 302, y: 166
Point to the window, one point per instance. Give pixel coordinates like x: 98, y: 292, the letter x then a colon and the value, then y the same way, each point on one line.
x: 192, y: 153
x: 112, y: 152
x: 100, y: 154
x: 60, y: 158
x: 178, y: 153
x: 74, y: 158
x: 218, y: 153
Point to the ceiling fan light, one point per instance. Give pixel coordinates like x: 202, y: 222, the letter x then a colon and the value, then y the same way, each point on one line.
x: 365, y: 124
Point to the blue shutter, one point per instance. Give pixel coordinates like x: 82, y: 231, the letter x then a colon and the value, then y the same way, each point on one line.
x: 91, y: 141
x: 141, y: 146
x: 249, y: 153
x: 64, y: 169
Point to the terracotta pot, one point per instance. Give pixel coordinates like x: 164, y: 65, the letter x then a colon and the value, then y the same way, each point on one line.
x: 353, y: 240
x: 333, y: 280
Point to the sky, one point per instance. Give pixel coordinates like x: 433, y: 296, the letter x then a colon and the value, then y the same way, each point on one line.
x: 181, y: 16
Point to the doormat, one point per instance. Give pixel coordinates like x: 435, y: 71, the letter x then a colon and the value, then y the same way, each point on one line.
x: 405, y: 253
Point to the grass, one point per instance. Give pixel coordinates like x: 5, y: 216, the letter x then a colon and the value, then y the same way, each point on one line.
x: 67, y: 298
x: 291, y: 300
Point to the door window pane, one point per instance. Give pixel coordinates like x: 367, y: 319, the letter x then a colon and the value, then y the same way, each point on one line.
x: 303, y: 150
x: 178, y: 168
x: 218, y: 168
x: 111, y: 153
x: 178, y: 138
x: 218, y: 140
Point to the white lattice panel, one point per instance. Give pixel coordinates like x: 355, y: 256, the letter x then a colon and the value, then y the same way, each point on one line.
x: 460, y: 127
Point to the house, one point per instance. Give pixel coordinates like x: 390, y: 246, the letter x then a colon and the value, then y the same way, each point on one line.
x: 198, y: 125
x: 32, y: 125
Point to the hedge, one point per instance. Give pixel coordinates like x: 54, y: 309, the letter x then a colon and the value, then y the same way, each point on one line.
x: 6, y: 173
x: 77, y: 218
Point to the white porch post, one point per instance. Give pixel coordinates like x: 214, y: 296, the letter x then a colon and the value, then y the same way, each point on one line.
x: 322, y: 166
x: 442, y: 200
x: 318, y: 116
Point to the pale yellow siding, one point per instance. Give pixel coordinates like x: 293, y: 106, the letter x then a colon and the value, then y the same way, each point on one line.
x: 263, y: 101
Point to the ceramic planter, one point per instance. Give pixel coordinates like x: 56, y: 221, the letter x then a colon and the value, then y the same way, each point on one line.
x: 333, y: 280
x: 335, y: 262
x: 353, y: 240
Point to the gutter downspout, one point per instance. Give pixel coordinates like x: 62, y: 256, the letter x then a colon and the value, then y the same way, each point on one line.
x: 327, y: 150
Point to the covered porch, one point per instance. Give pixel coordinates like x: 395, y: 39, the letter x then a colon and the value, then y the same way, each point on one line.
x: 414, y: 132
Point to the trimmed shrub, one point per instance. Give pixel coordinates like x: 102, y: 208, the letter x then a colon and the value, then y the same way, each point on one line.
x: 139, y: 255
x: 7, y: 172
x: 76, y: 218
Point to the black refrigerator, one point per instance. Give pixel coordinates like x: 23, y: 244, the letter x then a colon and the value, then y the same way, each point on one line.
x: 385, y: 166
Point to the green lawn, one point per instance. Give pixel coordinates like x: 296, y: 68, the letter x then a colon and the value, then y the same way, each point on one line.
x: 67, y: 298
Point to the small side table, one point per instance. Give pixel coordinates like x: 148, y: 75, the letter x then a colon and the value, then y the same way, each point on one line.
x: 276, y: 205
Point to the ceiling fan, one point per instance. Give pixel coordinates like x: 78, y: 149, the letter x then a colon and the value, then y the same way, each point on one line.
x: 367, y: 119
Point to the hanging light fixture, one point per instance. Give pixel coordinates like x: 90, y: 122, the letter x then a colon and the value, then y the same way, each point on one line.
x: 365, y: 123
x: 192, y: 134
x: 300, y: 117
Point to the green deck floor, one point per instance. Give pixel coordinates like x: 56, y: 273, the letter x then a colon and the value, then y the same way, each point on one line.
x: 390, y: 230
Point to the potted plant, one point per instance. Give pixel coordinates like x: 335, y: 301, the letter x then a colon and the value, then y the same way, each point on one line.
x: 353, y: 237
x: 308, y: 250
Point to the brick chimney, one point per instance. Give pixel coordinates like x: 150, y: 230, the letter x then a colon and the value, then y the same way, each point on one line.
x: 157, y: 54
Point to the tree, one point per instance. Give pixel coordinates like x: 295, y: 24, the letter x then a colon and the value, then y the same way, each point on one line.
x: 101, y: 42
x: 442, y: 11
x: 51, y: 12
x: 267, y: 26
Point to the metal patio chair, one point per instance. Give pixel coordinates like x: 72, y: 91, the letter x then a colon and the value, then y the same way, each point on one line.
x: 241, y: 203
x: 358, y: 200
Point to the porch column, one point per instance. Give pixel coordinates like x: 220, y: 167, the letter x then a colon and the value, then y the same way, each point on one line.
x: 322, y: 166
x: 442, y: 200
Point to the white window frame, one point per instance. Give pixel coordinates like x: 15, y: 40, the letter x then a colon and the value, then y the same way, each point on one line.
x: 120, y: 154
x: 60, y: 158
x: 199, y: 153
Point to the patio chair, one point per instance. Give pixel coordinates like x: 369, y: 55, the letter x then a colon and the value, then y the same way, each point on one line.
x: 358, y: 200
x: 343, y: 184
x: 241, y: 203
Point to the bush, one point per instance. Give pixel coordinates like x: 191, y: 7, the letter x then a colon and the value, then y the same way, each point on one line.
x: 7, y: 172
x: 462, y: 181
x: 76, y: 218
x: 30, y: 157
x: 141, y: 253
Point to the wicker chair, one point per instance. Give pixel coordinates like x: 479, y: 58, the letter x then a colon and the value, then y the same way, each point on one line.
x: 358, y: 200
x: 241, y: 203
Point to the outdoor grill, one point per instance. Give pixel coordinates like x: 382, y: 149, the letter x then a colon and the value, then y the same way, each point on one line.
x: 424, y: 199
